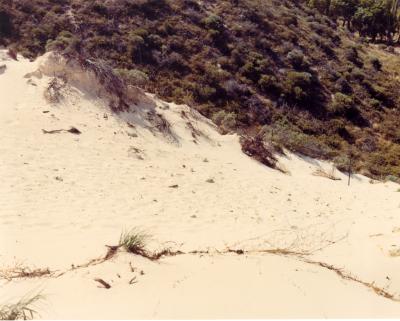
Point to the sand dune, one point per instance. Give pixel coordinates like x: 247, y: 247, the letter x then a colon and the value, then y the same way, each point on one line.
x: 64, y: 196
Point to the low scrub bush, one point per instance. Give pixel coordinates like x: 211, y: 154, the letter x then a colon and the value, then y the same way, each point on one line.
x: 299, y: 86
x: 227, y: 121
x: 133, y: 77
x: 283, y: 134
x: 341, y: 104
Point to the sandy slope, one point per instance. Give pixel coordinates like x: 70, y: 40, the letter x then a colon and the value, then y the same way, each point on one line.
x: 64, y: 196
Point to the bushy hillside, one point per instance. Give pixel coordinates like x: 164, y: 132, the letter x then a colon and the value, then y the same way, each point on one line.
x: 268, y: 68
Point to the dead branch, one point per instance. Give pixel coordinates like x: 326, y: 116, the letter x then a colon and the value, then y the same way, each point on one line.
x: 103, y: 283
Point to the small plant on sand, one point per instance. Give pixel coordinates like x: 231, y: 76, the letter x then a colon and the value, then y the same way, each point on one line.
x: 134, y: 241
x: 23, y: 309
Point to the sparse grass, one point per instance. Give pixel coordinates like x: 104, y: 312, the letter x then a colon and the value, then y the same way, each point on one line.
x: 134, y: 241
x: 24, y: 309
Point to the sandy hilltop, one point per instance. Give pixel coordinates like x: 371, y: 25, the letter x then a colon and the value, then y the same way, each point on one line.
x: 240, y: 240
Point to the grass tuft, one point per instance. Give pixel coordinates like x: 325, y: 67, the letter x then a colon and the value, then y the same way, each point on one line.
x: 23, y: 309
x: 134, y: 241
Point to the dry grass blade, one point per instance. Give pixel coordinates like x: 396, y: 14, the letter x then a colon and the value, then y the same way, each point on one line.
x: 23, y: 309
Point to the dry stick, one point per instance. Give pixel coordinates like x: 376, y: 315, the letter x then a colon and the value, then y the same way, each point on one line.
x: 104, y: 283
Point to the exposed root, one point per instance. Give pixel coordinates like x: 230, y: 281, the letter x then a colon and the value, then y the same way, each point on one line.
x: 347, y: 276
x: 112, y: 250
x: 165, y: 252
x: 155, y: 256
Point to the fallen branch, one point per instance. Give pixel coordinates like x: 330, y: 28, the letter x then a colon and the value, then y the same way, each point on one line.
x: 103, y: 283
x: 72, y: 130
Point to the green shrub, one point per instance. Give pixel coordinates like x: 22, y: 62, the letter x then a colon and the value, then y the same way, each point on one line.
x: 377, y: 92
x: 358, y: 74
x: 282, y: 134
x: 269, y: 84
x: 375, y: 103
x: 249, y: 70
x: 214, y: 22
x: 342, y: 163
x: 204, y: 93
x: 133, y: 77
x: 351, y: 54
x: 341, y: 104
x: 296, y: 58
x: 298, y: 86
x: 226, y: 121
x: 64, y: 41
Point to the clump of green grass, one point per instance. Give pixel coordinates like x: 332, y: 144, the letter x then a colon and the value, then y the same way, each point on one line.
x: 24, y: 309
x: 134, y: 241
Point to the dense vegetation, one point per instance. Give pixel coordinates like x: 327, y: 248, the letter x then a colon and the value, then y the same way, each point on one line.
x: 370, y: 18
x: 277, y: 69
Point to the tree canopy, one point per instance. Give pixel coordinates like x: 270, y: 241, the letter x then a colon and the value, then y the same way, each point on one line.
x: 371, y: 18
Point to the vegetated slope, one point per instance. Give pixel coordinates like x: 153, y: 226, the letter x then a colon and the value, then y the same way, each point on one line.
x: 275, y: 69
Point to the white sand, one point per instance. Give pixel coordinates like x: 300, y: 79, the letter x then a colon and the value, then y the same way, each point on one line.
x: 64, y: 196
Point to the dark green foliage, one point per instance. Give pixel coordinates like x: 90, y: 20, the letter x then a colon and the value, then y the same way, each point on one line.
x: 371, y: 18
x: 6, y: 26
x: 376, y: 63
x: 299, y: 87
